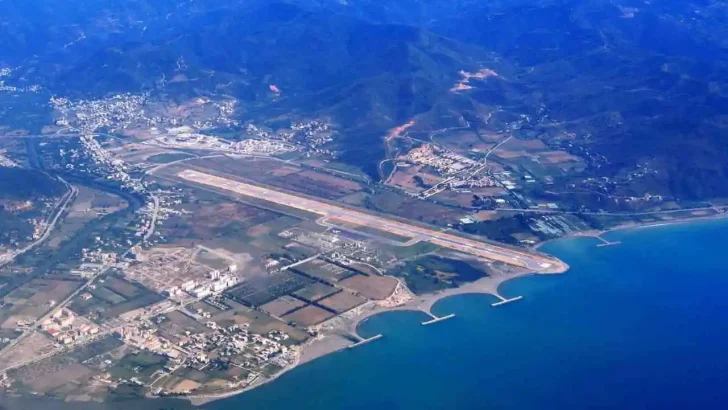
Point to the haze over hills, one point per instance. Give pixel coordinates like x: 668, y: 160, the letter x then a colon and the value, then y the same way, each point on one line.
x: 370, y: 76
x: 645, y: 76
x: 638, y: 82
x: 197, y: 196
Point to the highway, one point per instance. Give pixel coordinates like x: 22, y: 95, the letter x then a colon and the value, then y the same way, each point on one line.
x: 524, y: 259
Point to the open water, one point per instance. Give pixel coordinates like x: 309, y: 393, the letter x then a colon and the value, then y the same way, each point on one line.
x: 641, y: 325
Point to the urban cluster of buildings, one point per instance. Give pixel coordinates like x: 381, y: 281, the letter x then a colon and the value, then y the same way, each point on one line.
x: 233, y: 344
x: 92, y: 158
x: 445, y: 162
x: 308, y: 136
x: 123, y: 111
x: 314, y: 134
x: 185, y: 137
x: 142, y: 335
x: 232, y: 341
x: 4, y: 72
x: 217, y: 282
x: 6, y: 162
x: 261, y: 147
x: 472, y: 181
x: 87, y: 116
x: 62, y: 327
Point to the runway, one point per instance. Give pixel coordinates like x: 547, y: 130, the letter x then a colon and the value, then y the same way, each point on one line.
x: 524, y: 259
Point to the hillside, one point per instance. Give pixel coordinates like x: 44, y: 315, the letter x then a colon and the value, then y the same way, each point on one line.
x: 368, y: 77
x: 634, y: 82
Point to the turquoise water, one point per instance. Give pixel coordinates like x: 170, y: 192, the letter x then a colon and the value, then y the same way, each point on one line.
x: 642, y: 325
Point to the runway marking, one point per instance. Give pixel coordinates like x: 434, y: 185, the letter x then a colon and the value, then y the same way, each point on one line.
x: 510, y: 256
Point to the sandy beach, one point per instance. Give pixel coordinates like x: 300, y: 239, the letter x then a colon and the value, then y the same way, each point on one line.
x: 595, y: 233
x: 332, y: 337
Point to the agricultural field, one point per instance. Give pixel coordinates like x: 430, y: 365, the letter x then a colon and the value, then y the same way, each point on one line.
x: 405, y: 206
x: 89, y: 204
x: 58, y: 377
x: 412, y: 179
x: 260, y: 291
x: 175, y: 325
x: 32, y: 346
x: 323, y: 270
x: 257, y: 321
x: 342, y: 302
x: 33, y: 299
x: 282, y: 305
x: 371, y: 286
x: 208, y: 219
x: 315, y: 291
x: 309, y: 316
x: 111, y: 297
x: 69, y: 374
x: 214, y: 378
x: 139, y: 365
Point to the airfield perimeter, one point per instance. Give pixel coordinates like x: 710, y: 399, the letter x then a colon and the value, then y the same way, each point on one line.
x: 531, y: 261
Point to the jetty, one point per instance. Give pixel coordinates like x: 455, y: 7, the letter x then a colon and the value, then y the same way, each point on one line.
x: 365, y: 341
x: 503, y: 300
x: 436, y: 319
x: 606, y: 242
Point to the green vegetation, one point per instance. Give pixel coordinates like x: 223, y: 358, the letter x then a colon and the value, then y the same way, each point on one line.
x: 501, y: 230
x: 111, y: 297
x: 24, y: 184
x: 140, y: 365
x: 166, y: 158
x: 419, y: 248
x: 432, y: 273
x: 315, y: 291
x: 95, y: 348
x: 13, y: 228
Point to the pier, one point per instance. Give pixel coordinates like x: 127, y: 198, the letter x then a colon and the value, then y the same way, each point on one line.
x: 436, y: 319
x: 606, y: 242
x: 365, y: 341
x: 503, y: 300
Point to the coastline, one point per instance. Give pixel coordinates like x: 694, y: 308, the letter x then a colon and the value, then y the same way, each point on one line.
x: 332, y: 340
x: 596, y: 233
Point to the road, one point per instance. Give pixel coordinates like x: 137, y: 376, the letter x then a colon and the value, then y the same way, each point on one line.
x: 55, y: 216
x: 441, y: 186
x: 49, y: 314
x: 532, y: 261
x: 66, y: 348
x: 490, y: 151
x: 56, y: 308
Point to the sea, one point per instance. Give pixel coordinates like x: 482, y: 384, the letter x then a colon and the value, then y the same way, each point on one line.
x: 639, y: 325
